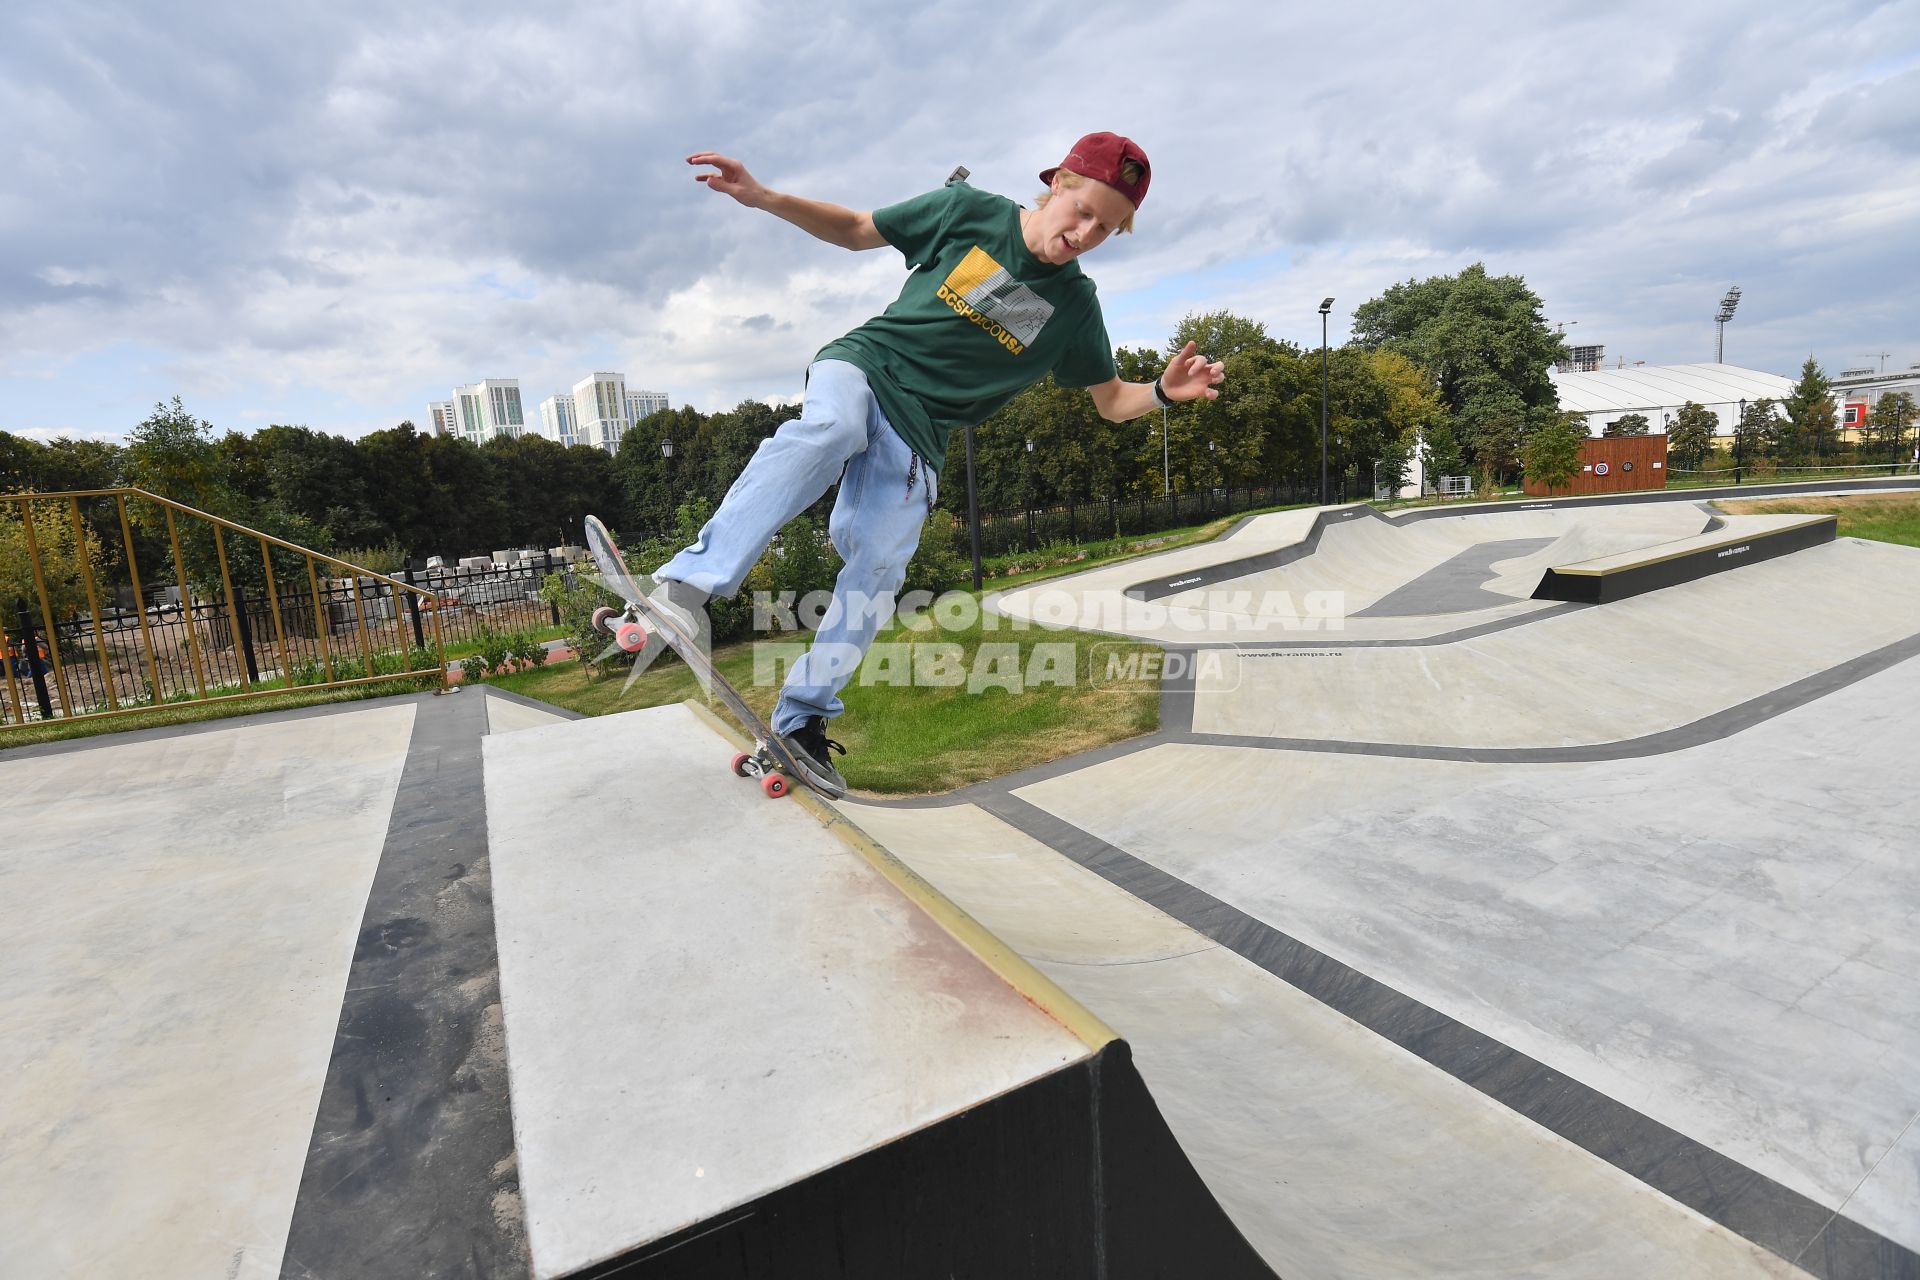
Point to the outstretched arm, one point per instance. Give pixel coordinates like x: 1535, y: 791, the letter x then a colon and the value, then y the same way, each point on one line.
x: 830, y: 222
x: 1188, y: 377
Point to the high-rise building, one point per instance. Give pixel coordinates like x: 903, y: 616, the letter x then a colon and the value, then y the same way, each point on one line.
x: 1584, y: 359
x: 600, y: 408
x: 558, y: 420
x: 643, y: 404
x: 489, y: 408
x: 440, y: 416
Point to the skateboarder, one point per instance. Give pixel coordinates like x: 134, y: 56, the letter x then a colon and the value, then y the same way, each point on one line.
x: 995, y: 300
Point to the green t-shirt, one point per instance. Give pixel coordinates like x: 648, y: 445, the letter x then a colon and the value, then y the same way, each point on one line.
x: 978, y: 320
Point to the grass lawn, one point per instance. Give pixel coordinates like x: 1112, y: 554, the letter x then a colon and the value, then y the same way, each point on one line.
x: 907, y: 730
x: 1883, y: 517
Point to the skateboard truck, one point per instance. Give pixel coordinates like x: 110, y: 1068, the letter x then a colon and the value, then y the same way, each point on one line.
x: 627, y: 631
x: 631, y: 635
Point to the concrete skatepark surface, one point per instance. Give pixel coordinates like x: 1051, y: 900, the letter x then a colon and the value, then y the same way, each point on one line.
x: 1521, y: 939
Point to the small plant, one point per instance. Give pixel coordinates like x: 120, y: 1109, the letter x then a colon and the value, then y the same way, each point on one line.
x: 529, y: 648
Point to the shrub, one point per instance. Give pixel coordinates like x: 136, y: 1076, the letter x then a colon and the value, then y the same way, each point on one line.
x: 388, y: 557
x: 938, y: 564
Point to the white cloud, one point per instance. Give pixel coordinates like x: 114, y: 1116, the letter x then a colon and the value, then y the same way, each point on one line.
x: 334, y: 216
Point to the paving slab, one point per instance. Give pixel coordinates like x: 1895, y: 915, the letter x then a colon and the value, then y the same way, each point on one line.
x: 701, y: 1012
x: 1337, y: 1153
x: 1723, y: 938
x: 1587, y: 675
x: 180, y: 914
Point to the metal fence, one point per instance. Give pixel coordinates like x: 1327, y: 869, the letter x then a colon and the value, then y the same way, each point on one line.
x: 86, y: 634
x: 1025, y: 529
x: 502, y: 597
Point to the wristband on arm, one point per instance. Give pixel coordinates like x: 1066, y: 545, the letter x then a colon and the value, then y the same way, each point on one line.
x: 1160, y: 397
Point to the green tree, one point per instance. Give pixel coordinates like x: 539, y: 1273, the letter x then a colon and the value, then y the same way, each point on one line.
x: 61, y: 465
x: 1892, y: 414
x: 322, y: 479
x: 652, y: 485
x: 60, y: 561
x: 1810, y: 408
x: 1440, y: 453
x: 1552, y: 451
x: 1485, y: 344
x: 1691, y: 436
x: 19, y: 461
x: 1755, y: 435
x: 173, y: 454
x: 1632, y: 424
x: 399, y: 489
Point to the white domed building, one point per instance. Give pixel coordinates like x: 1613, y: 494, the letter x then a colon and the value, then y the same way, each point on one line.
x: 1656, y: 392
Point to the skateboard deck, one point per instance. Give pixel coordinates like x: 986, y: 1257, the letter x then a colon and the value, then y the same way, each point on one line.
x: 770, y: 761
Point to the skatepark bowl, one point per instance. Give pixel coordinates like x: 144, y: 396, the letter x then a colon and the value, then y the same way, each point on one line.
x: 1547, y: 908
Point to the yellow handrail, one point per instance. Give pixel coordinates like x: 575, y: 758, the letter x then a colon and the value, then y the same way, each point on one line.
x: 67, y: 681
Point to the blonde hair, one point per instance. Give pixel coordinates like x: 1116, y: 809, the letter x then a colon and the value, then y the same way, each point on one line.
x: 1130, y: 171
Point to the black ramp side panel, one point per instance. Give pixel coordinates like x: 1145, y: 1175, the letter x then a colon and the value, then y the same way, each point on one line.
x: 1228, y: 570
x: 1072, y: 1175
x: 1638, y: 579
x: 1161, y: 1218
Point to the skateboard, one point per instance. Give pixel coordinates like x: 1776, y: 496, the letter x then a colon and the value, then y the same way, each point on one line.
x: 769, y: 761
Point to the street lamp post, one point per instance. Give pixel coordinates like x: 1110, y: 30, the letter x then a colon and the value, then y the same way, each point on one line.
x: 973, y: 512
x: 1166, y: 471
x: 1325, y: 306
x: 1740, y: 441
x: 1027, y: 478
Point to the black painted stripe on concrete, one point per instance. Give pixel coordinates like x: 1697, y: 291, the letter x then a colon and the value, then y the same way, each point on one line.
x: 1744, y: 1201
x: 411, y: 1170
x: 1754, y: 491
x: 1176, y: 718
x: 1226, y: 570
x: 1455, y: 584
x: 1720, y: 724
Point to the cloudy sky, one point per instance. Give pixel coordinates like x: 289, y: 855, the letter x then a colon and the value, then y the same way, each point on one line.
x: 333, y: 214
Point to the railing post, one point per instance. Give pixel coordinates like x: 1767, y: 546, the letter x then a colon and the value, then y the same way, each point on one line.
x: 29, y: 655
x: 245, y: 624
x: 553, y: 606
x: 413, y: 608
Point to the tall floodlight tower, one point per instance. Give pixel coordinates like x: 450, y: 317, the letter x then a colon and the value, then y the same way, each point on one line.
x: 1727, y: 304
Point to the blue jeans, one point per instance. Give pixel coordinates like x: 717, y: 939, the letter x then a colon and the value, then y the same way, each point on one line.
x: 885, y: 495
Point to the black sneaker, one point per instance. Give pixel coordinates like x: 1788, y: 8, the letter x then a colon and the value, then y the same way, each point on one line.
x: 812, y: 750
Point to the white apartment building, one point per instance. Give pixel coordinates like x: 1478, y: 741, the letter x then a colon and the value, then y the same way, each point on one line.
x: 487, y: 409
x: 558, y: 420
x: 600, y: 408
x: 440, y: 416
x: 643, y: 404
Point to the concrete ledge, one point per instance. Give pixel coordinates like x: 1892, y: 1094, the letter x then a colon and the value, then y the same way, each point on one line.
x: 1620, y: 577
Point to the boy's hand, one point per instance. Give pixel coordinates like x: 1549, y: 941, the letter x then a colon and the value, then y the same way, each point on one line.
x: 1190, y: 376
x: 732, y: 178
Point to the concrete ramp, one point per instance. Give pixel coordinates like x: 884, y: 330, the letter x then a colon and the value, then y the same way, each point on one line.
x: 743, y: 1040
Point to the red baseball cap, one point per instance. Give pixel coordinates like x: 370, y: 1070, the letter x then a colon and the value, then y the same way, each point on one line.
x: 1099, y: 156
